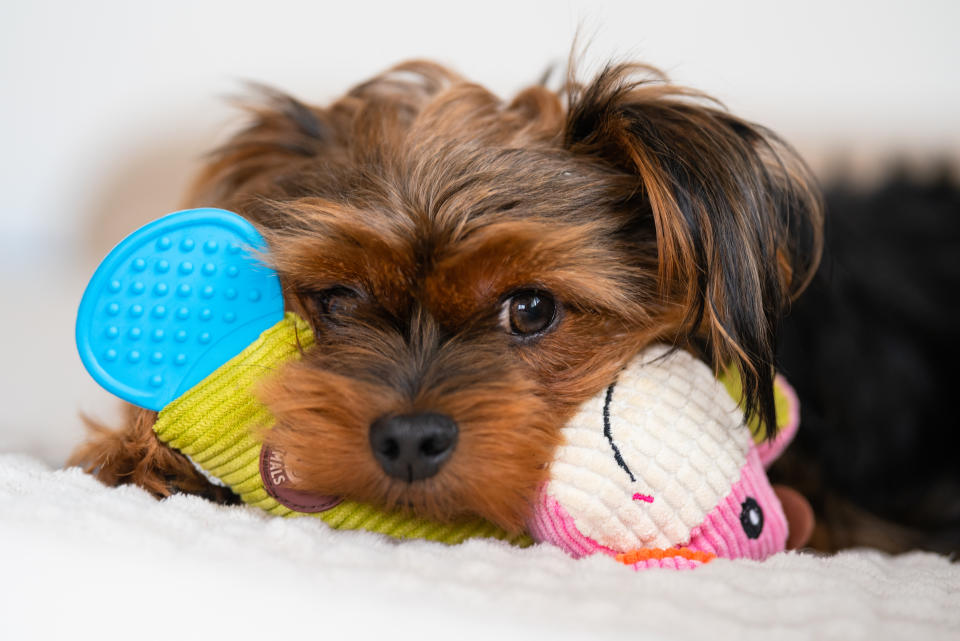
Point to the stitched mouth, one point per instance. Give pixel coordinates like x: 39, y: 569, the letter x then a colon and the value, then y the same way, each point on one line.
x: 658, y: 554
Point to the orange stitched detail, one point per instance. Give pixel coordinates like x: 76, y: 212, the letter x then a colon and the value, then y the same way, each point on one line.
x: 646, y: 554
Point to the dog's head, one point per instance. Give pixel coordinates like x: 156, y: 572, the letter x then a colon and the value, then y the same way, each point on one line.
x: 475, y: 269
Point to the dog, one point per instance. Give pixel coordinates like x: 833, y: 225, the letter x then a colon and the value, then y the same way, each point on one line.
x: 474, y: 269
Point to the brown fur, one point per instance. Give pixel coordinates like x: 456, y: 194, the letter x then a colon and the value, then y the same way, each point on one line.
x: 646, y: 211
x: 135, y: 456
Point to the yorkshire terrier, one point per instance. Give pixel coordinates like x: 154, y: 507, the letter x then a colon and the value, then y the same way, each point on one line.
x: 475, y: 269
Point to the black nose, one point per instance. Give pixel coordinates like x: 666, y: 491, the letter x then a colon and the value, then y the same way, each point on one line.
x: 413, y: 446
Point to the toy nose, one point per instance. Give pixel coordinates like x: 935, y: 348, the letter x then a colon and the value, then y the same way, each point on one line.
x: 412, y: 447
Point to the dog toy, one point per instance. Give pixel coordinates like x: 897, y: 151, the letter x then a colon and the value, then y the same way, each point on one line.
x: 181, y: 317
x: 661, y: 470
x: 173, y: 302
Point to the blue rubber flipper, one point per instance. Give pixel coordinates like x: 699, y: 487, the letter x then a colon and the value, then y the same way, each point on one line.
x: 172, y: 302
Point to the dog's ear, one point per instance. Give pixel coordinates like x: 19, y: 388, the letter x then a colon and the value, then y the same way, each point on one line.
x: 735, y: 213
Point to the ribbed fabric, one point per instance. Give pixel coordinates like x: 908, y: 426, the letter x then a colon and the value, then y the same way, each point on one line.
x: 722, y: 533
x: 673, y: 555
x: 215, y: 424
x: 553, y: 524
x: 784, y: 400
x: 668, y: 563
x: 788, y: 421
x: 667, y: 431
x: 662, y: 472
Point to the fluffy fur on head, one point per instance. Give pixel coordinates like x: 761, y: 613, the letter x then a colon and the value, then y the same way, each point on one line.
x: 405, y: 218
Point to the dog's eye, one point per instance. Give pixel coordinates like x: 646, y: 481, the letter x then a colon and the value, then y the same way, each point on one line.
x: 335, y: 302
x: 528, y: 312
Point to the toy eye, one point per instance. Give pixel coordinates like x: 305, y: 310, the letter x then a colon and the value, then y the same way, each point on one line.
x: 528, y: 312
x: 334, y: 303
x: 751, y: 517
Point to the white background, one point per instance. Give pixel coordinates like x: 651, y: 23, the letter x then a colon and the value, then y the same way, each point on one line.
x: 106, y: 107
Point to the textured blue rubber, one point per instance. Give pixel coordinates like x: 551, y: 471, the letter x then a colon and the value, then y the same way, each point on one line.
x: 172, y: 302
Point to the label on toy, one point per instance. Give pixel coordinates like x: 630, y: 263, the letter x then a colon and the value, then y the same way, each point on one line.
x: 277, y: 479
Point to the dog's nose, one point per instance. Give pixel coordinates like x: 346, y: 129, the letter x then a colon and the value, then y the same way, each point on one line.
x: 413, y: 446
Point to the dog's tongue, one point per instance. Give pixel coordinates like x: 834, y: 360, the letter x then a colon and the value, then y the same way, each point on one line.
x: 277, y: 480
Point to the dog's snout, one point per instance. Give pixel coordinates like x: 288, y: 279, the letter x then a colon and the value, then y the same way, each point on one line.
x: 413, y: 446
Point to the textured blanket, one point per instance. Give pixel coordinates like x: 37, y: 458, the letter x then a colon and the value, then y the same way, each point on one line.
x: 80, y: 560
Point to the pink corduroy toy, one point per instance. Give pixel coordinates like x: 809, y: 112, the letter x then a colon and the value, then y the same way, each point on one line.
x: 661, y: 470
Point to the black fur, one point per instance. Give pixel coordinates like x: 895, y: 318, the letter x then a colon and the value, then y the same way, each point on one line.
x: 873, y: 348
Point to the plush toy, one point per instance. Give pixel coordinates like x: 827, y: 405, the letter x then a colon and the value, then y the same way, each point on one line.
x: 659, y: 470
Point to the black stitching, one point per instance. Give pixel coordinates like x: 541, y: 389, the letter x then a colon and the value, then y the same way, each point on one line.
x: 606, y: 432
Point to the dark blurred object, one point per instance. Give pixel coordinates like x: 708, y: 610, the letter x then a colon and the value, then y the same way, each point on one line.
x: 873, y: 348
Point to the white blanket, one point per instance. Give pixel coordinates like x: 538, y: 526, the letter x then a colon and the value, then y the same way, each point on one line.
x: 82, y: 560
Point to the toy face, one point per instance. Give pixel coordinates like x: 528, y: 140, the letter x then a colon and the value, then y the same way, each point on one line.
x: 661, y: 460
